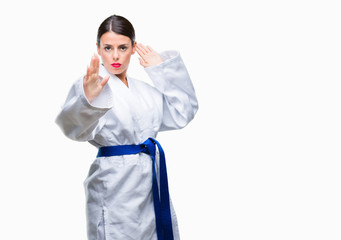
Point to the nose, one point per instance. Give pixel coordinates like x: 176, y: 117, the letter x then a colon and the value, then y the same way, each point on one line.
x: 115, y: 55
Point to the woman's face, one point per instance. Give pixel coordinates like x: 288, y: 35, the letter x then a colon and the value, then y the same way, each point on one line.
x: 115, y: 51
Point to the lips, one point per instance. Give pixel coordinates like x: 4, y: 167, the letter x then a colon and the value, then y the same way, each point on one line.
x: 116, y: 65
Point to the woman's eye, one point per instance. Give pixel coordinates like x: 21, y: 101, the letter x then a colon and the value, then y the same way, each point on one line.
x: 107, y: 48
x: 123, y: 48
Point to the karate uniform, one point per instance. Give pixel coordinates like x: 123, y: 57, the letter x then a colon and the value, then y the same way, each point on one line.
x: 119, y: 188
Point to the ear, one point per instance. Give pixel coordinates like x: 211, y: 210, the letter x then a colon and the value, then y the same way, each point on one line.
x: 98, y: 51
x: 134, y: 48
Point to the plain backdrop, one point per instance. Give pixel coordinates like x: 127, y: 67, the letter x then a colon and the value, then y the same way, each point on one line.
x: 261, y: 160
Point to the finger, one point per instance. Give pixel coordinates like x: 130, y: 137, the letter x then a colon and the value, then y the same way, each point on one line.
x: 143, y: 63
x: 96, y: 69
x: 139, y: 51
x: 142, y: 48
x: 142, y: 55
x: 92, y: 64
x: 150, y: 49
x: 86, y: 78
x: 105, y: 80
x: 146, y: 49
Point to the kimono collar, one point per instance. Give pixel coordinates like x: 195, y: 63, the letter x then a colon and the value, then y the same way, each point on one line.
x: 103, y: 72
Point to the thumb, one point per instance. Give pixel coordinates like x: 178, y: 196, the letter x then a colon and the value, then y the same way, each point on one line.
x: 105, y: 81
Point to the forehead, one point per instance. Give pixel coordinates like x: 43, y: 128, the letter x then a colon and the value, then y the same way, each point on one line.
x: 111, y: 38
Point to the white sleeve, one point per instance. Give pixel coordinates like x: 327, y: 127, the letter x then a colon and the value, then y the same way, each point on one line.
x: 80, y: 120
x: 179, y: 100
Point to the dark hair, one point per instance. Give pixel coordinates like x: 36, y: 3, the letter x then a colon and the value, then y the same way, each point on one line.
x: 116, y: 24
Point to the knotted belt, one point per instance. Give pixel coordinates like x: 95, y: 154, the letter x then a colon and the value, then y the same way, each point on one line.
x: 163, y: 217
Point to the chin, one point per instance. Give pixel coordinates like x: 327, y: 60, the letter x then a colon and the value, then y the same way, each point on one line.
x: 116, y: 71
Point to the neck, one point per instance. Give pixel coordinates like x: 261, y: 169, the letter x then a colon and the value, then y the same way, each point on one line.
x: 123, y: 78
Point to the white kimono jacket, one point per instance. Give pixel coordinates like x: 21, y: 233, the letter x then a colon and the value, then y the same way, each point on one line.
x: 119, y: 188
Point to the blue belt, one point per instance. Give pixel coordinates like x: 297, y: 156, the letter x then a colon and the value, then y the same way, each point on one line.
x: 163, y: 217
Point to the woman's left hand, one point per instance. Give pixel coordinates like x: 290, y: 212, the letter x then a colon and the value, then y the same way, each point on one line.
x: 148, y: 57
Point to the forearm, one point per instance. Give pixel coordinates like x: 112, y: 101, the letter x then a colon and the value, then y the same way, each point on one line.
x: 80, y: 120
x: 173, y: 81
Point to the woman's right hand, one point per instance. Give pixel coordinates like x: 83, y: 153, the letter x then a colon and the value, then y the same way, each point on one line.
x: 93, y: 83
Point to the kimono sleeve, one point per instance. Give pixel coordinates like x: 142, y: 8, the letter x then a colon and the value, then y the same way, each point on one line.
x: 80, y: 120
x: 173, y: 81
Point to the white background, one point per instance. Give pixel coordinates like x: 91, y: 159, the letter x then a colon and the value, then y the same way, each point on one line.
x: 261, y: 160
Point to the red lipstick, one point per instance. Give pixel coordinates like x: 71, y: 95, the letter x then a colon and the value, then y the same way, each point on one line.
x: 116, y: 65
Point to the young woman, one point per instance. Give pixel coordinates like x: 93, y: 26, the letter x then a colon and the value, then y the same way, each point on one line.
x: 126, y: 189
